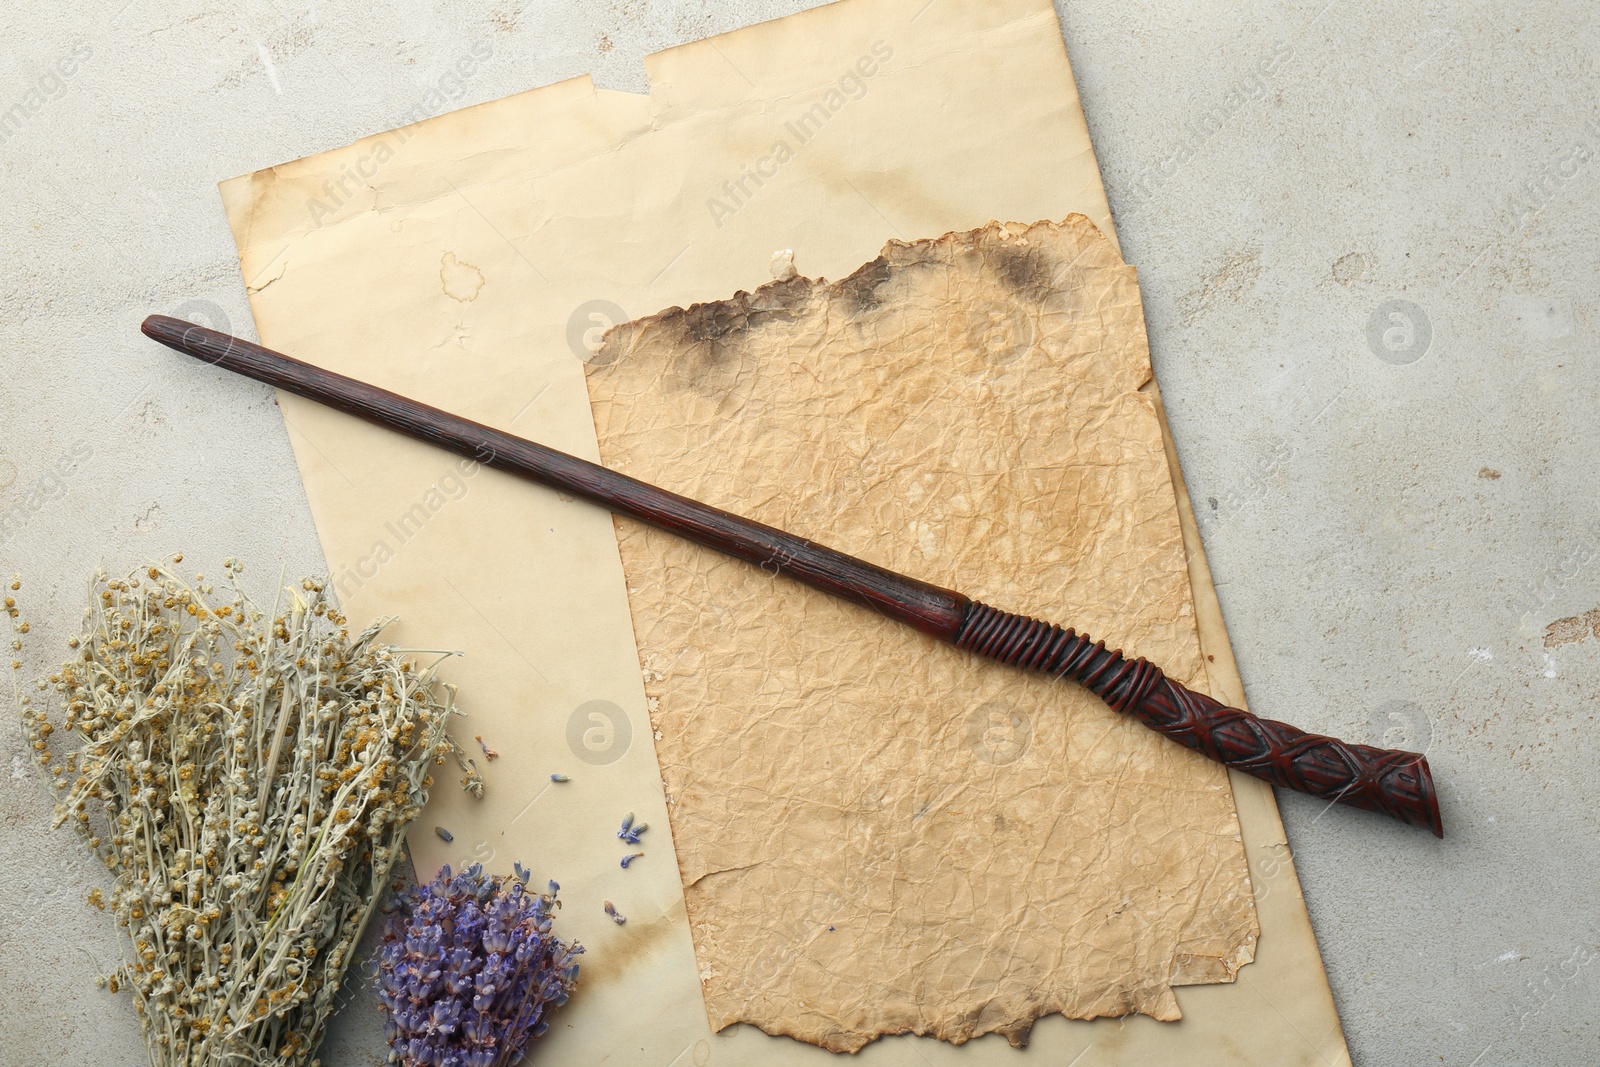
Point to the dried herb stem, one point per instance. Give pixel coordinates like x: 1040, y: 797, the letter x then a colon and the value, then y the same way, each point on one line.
x: 247, y: 777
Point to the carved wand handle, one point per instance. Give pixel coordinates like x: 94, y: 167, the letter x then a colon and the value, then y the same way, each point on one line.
x: 1395, y: 783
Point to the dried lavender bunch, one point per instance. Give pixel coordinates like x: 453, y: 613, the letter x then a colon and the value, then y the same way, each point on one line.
x: 470, y: 970
x: 247, y: 777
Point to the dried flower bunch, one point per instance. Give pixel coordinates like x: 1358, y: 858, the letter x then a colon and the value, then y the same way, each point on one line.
x: 470, y: 970
x: 247, y: 777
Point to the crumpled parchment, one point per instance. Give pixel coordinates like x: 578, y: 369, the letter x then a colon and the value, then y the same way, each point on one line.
x: 878, y: 833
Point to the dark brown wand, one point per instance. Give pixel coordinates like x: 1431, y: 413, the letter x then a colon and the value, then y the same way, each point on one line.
x: 1395, y: 783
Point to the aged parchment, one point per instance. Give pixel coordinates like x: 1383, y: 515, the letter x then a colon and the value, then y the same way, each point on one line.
x: 879, y: 834
x: 457, y: 259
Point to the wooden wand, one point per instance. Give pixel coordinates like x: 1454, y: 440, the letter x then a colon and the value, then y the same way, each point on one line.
x: 1395, y: 783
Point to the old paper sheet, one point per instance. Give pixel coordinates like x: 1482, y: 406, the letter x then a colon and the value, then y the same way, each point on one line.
x: 899, y: 837
x: 463, y: 260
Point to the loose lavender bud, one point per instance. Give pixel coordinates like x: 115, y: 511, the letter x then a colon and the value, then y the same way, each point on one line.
x: 470, y: 970
x: 559, y: 778
x: 629, y: 858
x: 444, y: 835
x: 616, y: 916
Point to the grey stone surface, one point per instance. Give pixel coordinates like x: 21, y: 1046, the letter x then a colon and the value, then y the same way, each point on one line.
x: 1367, y: 236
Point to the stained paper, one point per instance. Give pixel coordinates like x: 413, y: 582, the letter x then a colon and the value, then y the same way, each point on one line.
x: 475, y: 263
x: 879, y: 834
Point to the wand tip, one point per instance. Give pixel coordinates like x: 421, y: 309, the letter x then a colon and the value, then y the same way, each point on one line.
x: 165, y: 328
x: 207, y: 345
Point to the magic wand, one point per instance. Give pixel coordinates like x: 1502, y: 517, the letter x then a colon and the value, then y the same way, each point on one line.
x: 1393, y: 782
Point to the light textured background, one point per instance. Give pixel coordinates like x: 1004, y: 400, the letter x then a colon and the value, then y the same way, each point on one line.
x: 1393, y: 524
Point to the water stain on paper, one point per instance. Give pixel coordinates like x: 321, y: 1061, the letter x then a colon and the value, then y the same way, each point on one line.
x: 460, y: 280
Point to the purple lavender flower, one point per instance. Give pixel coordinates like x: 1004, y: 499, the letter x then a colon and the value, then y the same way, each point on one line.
x: 470, y: 971
x: 630, y: 832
